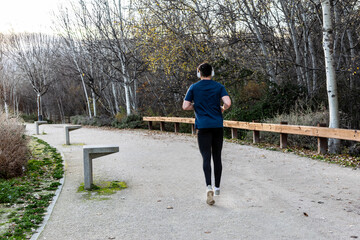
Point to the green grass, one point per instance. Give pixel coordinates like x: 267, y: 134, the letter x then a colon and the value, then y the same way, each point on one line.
x: 23, y: 200
x: 101, y: 189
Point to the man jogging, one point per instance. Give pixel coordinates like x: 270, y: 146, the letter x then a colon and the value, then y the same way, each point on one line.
x: 205, y: 98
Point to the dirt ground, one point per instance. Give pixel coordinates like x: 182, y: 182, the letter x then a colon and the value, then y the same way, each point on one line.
x: 264, y: 194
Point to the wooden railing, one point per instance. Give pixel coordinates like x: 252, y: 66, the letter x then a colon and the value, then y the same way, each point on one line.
x: 321, y: 132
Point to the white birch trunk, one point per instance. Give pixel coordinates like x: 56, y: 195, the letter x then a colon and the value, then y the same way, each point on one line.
x: 127, y: 96
x: 334, y: 144
x: 94, y: 102
x: 126, y: 87
x: 135, y: 96
x: 86, y: 96
x: 6, y: 109
x: 38, y: 100
x: 115, y: 97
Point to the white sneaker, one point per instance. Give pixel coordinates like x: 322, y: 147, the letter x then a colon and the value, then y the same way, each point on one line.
x: 210, y: 195
x: 217, y: 191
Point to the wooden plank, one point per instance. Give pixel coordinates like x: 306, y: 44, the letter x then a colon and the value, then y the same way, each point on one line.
x: 324, y: 132
x: 346, y: 134
x: 170, y: 119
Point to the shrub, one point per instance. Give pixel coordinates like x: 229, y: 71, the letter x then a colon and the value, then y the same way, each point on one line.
x: 131, y: 121
x: 13, y: 147
x: 29, y: 118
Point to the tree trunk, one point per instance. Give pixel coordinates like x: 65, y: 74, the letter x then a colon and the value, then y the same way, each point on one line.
x: 352, y: 58
x: 117, y: 110
x: 293, y: 33
x: 39, y: 112
x: 94, y: 102
x: 313, y: 64
x: 334, y: 144
x: 6, y: 109
x: 127, y: 96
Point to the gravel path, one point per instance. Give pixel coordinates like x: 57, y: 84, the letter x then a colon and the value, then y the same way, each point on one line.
x: 264, y: 194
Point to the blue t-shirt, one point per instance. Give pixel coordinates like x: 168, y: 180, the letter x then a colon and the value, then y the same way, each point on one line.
x: 206, y: 95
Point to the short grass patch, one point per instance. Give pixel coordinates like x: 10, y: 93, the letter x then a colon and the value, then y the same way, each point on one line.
x: 101, y: 190
x: 23, y: 200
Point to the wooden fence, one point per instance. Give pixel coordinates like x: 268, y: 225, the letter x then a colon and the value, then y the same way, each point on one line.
x: 321, y: 132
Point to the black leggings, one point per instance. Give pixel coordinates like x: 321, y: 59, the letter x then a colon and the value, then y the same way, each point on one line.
x: 210, y: 142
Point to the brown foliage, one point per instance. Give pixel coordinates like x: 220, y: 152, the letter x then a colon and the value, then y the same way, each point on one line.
x: 13, y: 147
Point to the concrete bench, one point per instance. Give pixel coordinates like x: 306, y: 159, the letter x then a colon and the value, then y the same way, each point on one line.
x: 68, y: 129
x: 91, y: 152
x: 37, y: 124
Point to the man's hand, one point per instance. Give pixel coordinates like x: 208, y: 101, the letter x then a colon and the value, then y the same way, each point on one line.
x: 222, y: 109
x: 187, y: 105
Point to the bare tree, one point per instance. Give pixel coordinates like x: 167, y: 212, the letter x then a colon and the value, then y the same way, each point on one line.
x: 34, y: 54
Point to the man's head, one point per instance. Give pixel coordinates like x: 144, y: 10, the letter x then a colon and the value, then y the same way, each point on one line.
x: 205, y: 70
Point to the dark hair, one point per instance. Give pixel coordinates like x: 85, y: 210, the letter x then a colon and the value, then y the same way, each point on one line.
x: 205, y: 69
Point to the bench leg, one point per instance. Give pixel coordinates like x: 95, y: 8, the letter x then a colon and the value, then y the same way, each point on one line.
x: 37, y: 128
x: 88, y: 175
x: 67, y: 135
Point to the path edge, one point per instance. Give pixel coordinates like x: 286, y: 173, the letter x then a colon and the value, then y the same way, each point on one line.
x: 50, y: 208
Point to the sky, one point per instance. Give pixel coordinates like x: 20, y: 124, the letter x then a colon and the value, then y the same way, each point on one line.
x: 27, y: 15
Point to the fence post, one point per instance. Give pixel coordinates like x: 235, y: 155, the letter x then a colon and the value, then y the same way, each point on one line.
x: 234, y: 133
x: 177, y: 127
x: 150, y: 125
x: 283, y: 137
x: 193, y: 130
x: 322, y: 142
x: 256, y: 135
x: 162, y: 126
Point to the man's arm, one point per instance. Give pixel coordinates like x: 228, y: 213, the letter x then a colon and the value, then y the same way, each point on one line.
x: 187, y: 105
x: 227, y: 103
